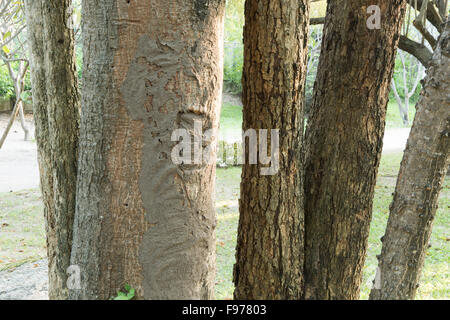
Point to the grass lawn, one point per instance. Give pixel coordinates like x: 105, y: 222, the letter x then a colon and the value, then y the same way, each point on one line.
x: 230, y: 121
x: 22, y: 233
x: 435, y: 281
x: 393, y: 119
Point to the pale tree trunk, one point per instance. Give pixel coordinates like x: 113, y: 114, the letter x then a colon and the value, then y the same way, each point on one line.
x: 403, y: 106
x: 10, y: 122
x: 419, y: 182
x: 56, y: 112
x: 150, y: 67
x: 269, y: 256
x: 19, y: 84
x: 23, y: 123
x: 344, y: 142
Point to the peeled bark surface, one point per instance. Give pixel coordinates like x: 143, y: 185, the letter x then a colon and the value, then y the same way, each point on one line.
x: 269, y: 256
x: 422, y: 173
x: 344, y: 143
x: 56, y: 114
x: 150, y: 67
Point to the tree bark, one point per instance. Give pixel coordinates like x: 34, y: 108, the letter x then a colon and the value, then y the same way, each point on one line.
x: 150, y: 67
x: 344, y: 143
x: 269, y: 256
x: 419, y: 182
x: 56, y: 112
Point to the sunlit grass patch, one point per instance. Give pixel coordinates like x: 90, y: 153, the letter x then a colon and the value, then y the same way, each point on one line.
x: 22, y: 234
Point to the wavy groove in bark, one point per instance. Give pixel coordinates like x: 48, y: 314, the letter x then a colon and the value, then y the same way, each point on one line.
x: 150, y: 67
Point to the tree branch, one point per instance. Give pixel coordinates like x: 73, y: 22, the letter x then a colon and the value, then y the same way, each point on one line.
x: 422, y: 53
x: 432, y: 14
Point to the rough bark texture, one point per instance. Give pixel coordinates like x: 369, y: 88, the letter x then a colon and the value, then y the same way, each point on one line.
x: 56, y: 112
x: 420, y: 180
x: 344, y: 143
x: 150, y: 67
x: 269, y: 256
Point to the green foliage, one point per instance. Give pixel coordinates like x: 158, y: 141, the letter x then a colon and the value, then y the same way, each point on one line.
x: 233, y: 46
x: 127, y: 295
x: 6, y: 85
x: 412, y: 67
x: 233, y: 64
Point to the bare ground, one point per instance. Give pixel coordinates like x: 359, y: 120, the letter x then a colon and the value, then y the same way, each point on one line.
x: 18, y: 158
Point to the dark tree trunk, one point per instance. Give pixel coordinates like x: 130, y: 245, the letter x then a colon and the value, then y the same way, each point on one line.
x: 56, y: 112
x: 344, y: 143
x: 420, y: 180
x: 269, y: 257
x: 150, y: 67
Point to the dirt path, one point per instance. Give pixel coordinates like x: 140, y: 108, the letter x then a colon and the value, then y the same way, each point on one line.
x: 18, y: 158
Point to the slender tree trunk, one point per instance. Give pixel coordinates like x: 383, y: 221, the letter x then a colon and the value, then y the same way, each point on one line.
x: 56, y: 112
x: 150, y: 67
x: 419, y: 182
x: 10, y: 122
x: 269, y: 257
x: 19, y: 84
x: 23, y: 124
x: 344, y: 143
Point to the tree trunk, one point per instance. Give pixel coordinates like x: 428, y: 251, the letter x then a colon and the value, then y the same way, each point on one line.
x: 269, y: 257
x: 56, y: 112
x: 23, y: 123
x: 420, y: 180
x: 150, y: 67
x: 344, y: 143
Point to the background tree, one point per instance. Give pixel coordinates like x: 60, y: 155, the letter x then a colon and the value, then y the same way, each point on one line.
x: 420, y: 180
x: 344, y: 143
x: 269, y: 253
x: 411, y: 73
x: 314, y: 43
x: 13, y: 55
x: 149, y: 67
x: 233, y: 46
x: 56, y: 115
